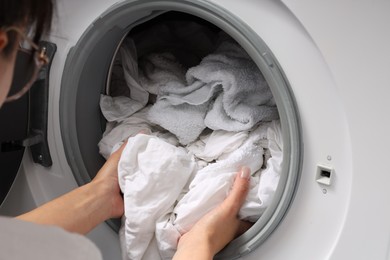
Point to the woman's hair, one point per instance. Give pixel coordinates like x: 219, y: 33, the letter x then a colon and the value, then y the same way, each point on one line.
x: 35, y: 15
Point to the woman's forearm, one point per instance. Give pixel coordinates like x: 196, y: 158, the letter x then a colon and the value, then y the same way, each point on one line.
x: 77, y: 211
x: 199, y: 251
x: 87, y: 206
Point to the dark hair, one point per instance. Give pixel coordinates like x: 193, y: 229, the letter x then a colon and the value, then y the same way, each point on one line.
x: 36, y: 15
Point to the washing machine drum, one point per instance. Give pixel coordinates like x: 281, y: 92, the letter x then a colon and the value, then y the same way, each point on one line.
x: 90, y: 72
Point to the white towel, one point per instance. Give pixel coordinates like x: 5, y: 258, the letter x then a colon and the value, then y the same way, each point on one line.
x: 242, y: 96
x: 151, y: 173
x: 159, y: 69
x: 116, y: 133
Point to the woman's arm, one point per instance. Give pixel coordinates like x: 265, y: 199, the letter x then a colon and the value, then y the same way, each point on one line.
x: 217, y: 228
x: 87, y: 206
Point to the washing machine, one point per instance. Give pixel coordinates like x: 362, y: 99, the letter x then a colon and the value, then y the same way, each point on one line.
x: 326, y: 63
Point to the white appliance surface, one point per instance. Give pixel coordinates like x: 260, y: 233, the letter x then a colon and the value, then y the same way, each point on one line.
x: 336, y: 57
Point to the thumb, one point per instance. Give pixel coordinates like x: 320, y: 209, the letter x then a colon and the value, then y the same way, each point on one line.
x: 115, y: 156
x: 240, y: 189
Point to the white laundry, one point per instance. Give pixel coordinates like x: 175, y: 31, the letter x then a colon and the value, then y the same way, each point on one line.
x: 116, y: 109
x: 270, y: 176
x: 211, y: 146
x: 167, y: 188
x: 152, y: 173
x: 159, y: 69
x: 165, y: 51
x: 226, y: 91
x: 117, y: 133
x: 211, y: 186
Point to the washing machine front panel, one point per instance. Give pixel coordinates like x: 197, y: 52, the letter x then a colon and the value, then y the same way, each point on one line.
x: 354, y: 43
x: 323, y: 220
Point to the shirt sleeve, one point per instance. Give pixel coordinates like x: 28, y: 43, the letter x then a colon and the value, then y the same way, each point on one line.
x: 24, y: 240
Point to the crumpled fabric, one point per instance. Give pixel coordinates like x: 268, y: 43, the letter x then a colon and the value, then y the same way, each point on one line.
x: 212, y: 184
x: 151, y: 174
x: 181, y: 202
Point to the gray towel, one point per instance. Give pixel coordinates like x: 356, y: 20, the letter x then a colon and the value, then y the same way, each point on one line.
x: 226, y: 91
x: 160, y: 69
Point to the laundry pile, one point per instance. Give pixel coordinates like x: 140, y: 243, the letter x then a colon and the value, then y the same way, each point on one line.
x: 202, y: 117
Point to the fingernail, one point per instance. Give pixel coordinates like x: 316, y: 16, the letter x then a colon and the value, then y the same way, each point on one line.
x: 245, y: 173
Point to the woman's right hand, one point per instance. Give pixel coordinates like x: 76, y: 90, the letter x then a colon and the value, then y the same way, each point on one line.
x: 220, y: 226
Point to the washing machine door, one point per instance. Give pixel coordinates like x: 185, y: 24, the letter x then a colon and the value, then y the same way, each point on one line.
x: 24, y: 121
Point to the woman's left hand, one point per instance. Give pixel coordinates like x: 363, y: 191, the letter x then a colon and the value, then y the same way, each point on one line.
x: 107, y: 179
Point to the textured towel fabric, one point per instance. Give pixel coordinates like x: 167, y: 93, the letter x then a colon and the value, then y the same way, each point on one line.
x: 152, y: 173
x: 116, y: 133
x: 212, y: 184
x: 177, y: 118
x: 159, y: 69
x: 246, y: 98
x: 165, y: 52
x: 185, y: 42
x: 242, y: 96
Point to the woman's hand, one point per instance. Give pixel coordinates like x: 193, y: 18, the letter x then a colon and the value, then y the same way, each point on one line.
x: 107, y: 180
x: 217, y: 228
